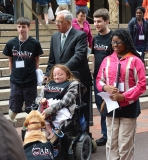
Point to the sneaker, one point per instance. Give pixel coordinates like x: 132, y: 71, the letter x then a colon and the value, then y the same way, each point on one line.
x: 101, y: 142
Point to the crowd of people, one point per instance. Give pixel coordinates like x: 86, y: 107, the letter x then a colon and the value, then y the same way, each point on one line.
x: 109, y: 49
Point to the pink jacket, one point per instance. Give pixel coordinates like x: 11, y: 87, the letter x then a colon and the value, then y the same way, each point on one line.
x: 86, y: 29
x: 132, y: 74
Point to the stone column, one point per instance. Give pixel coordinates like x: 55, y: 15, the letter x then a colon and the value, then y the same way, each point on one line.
x: 17, y: 9
x: 27, y: 12
x: 73, y: 8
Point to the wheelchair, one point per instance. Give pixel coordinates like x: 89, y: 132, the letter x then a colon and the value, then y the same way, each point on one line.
x: 74, y: 142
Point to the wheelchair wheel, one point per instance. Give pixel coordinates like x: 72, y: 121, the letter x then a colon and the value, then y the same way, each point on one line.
x: 94, y: 146
x: 83, y: 149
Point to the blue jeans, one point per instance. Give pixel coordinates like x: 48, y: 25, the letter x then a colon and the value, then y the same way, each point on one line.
x: 99, y: 101
x: 80, y: 7
x: 140, y: 48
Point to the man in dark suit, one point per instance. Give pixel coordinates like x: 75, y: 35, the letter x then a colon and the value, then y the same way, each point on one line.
x: 73, y: 53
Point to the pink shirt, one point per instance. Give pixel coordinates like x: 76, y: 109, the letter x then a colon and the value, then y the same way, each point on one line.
x: 86, y: 29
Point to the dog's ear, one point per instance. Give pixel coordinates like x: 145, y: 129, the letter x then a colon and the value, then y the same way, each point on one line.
x: 42, y: 121
x: 26, y: 122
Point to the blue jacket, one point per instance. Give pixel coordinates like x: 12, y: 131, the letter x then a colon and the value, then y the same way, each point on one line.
x: 59, y: 2
x: 132, y: 27
x: 43, y: 2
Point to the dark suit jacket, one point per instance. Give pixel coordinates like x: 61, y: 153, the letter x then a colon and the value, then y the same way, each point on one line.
x: 73, y: 54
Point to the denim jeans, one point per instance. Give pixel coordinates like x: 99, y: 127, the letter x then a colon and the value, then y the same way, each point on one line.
x: 140, y: 48
x: 80, y: 7
x: 99, y: 101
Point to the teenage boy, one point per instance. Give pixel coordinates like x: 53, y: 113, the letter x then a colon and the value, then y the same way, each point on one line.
x: 101, y: 48
x: 23, y: 55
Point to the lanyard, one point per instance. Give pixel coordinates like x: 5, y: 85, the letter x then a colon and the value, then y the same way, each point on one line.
x: 141, y: 26
x: 20, y: 49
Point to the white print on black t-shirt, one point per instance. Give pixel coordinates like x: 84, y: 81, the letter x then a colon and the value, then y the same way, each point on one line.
x: 53, y: 89
x: 100, y: 47
x: 25, y: 54
x: 36, y: 151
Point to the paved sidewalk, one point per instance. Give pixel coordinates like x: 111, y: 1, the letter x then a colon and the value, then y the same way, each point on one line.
x: 141, y: 140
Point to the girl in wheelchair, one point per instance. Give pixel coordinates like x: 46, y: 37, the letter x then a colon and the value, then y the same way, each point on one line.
x: 59, y: 98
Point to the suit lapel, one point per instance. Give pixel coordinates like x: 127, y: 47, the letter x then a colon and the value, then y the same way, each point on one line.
x: 68, y: 39
x: 58, y: 44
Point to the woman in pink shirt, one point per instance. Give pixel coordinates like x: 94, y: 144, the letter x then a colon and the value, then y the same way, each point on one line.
x: 80, y: 23
x: 131, y: 85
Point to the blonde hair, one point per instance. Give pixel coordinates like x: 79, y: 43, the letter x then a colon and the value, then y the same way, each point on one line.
x: 70, y: 76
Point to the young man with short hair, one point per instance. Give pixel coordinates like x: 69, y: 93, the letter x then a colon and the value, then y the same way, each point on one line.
x: 101, y: 48
x: 23, y: 54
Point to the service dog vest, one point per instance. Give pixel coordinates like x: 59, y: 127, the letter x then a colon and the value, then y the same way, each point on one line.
x: 56, y: 90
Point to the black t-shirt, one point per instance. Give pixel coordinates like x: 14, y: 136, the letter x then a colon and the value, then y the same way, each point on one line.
x: 56, y: 90
x: 23, y: 51
x: 39, y: 151
x: 101, y: 48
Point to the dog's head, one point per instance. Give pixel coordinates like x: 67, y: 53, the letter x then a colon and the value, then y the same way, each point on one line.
x: 34, y: 120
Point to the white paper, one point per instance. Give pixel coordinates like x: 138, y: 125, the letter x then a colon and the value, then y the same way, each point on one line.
x: 40, y: 75
x: 140, y: 53
x: 111, y: 105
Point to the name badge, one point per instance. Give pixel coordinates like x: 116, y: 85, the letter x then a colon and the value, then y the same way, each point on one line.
x: 19, y: 64
x: 141, y: 37
x: 120, y: 86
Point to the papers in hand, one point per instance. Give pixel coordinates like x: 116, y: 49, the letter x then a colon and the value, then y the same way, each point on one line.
x: 140, y: 53
x: 111, y: 105
x: 40, y: 75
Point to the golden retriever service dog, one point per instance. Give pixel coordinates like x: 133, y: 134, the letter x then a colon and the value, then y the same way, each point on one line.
x: 34, y: 123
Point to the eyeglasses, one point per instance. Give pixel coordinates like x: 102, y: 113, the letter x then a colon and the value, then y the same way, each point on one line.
x: 58, y: 22
x: 117, y: 42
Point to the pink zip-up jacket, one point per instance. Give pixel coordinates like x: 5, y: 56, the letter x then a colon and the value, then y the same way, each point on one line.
x: 86, y: 29
x: 132, y: 74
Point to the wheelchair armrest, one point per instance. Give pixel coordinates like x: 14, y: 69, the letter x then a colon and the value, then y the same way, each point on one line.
x: 81, y: 106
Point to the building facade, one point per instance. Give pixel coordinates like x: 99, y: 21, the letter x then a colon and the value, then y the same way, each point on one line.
x: 124, y: 12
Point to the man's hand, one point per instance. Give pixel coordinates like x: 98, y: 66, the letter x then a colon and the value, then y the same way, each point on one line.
x: 127, y: 4
x: 117, y: 2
